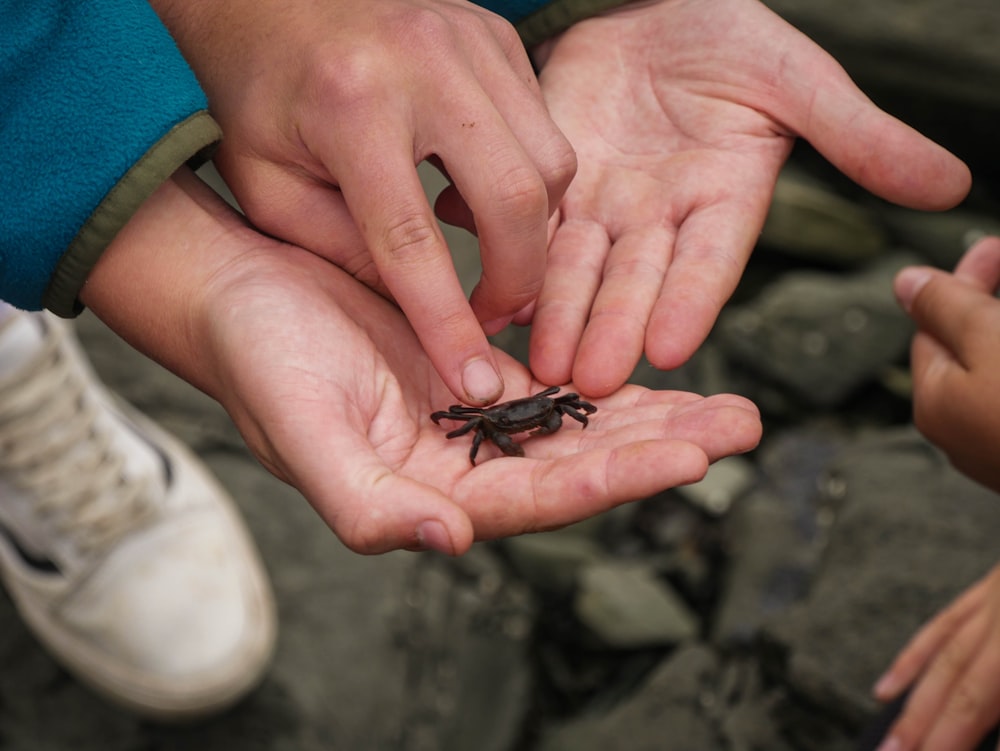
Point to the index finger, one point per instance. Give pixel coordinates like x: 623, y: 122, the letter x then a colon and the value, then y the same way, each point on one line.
x: 387, y: 200
x: 510, y: 171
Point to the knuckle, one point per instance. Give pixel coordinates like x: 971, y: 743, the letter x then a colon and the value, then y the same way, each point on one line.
x: 637, y: 269
x: 559, y: 164
x: 347, y: 78
x: 419, y: 26
x: 520, y: 192
x: 458, y: 326
x: 366, y: 537
x: 409, y: 237
x: 505, y: 33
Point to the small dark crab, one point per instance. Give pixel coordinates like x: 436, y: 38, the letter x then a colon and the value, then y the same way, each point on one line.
x: 499, y: 422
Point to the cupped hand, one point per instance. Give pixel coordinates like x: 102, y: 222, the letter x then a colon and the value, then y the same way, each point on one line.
x: 955, y: 359
x: 953, y: 667
x: 333, y: 392
x: 681, y: 114
x: 328, y: 105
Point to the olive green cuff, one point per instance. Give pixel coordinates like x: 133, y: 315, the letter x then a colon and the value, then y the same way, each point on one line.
x: 189, y: 142
x: 558, y: 16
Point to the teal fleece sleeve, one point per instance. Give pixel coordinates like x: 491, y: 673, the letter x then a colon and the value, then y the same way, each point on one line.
x: 98, y: 109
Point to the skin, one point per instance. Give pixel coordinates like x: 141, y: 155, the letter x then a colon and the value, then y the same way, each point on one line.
x: 952, y: 664
x: 956, y: 365
x: 328, y: 105
x: 326, y: 110
x: 697, y: 105
x: 332, y: 390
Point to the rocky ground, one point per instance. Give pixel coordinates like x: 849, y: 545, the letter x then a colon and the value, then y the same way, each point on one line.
x: 751, y: 611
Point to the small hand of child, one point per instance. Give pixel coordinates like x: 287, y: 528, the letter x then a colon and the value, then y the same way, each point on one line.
x: 956, y: 358
x: 953, y: 664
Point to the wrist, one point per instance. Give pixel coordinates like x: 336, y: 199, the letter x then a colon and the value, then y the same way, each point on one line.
x: 154, y: 283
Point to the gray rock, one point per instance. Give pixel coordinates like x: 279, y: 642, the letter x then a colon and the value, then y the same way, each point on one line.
x: 808, y: 219
x: 724, y: 483
x: 776, y: 536
x: 940, y: 239
x: 692, y: 701
x: 910, y: 533
x: 465, y: 630
x: 665, y: 714
x: 627, y: 606
x: 552, y: 561
x: 945, y: 50
x: 821, y: 335
x: 707, y: 372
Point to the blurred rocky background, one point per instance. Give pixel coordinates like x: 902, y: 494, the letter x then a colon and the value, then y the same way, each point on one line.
x: 750, y: 611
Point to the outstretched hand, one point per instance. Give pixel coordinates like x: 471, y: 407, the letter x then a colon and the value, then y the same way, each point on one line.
x: 696, y: 108
x: 333, y: 392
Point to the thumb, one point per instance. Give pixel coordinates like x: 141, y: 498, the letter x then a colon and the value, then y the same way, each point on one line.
x: 908, y: 284
x: 942, y: 305
x: 870, y: 146
x: 392, y: 513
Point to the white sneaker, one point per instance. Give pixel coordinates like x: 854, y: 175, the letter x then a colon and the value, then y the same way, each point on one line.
x: 122, y: 553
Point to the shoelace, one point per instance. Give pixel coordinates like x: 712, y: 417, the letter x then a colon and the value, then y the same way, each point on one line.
x: 52, y: 447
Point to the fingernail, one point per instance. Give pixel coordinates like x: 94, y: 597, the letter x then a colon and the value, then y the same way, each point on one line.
x: 908, y: 284
x: 481, y: 382
x: 890, y: 744
x: 496, y: 325
x: 884, y: 687
x: 433, y: 535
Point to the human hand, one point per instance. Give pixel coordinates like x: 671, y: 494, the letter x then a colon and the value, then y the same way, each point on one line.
x: 954, y: 357
x: 333, y: 393
x: 697, y: 107
x: 951, y: 664
x: 327, y: 105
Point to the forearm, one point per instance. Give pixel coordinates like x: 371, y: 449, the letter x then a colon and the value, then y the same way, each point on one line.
x: 156, y: 283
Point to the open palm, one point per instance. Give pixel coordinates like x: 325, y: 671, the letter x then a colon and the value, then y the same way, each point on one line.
x: 682, y: 114
x: 333, y: 392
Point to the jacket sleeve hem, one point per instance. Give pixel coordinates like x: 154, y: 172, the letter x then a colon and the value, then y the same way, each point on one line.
x: 189, y: 142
